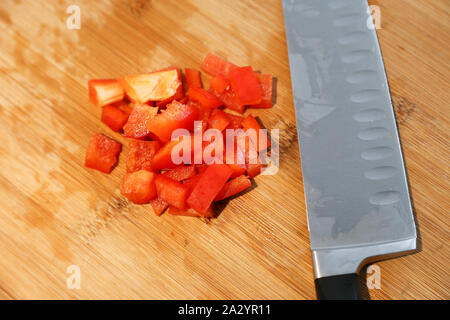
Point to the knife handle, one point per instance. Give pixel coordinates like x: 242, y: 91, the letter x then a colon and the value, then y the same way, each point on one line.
x: 340, y: 287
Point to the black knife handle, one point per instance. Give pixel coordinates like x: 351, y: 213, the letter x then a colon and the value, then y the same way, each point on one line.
x: 340, y: 287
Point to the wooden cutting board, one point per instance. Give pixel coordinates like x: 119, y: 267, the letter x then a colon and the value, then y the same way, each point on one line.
x: 54, y: 213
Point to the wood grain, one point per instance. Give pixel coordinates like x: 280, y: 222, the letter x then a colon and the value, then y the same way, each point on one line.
x: 56, y: 213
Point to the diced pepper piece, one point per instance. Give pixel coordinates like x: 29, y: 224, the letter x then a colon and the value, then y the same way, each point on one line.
x: 189, y: 212
x: 136, y: 126
x: 218, y: 120
x: 230, y: 100
x: 163, y: 158
x: 192, y: 182
x: 193, y: 78
x: 262, y: 142
x: 236, y: 161
x: 139, y: 187
x: 179, y: 94
x: 235, y: 121
x: 105, y: 91
x: 205, y: 98
x: 266, y: 83
x: 219, y: 84
x: 171, y: 191
x: 254, y: 169
x: 181, y: 173
x: 203, y: 114
x: 141, y: 155
x: 102, y: 153
x: 114, y: 117
x: 176, y: 116
x: 125, y: 107
x: 158, y: 205
x: 215, y: 65
x: 233, y: 187
x: 207, y: 188
x: 245, y: 85
x: 155, y: 86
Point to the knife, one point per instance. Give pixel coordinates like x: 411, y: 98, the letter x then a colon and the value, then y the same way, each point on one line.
x: 356, y: 190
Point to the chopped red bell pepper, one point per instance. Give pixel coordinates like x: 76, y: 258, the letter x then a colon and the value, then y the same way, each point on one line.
x: 179, y: 94
x: 139, y: 187
x: 218, y: 120
x: 141, y: 155
x: 262, y: 142
x: 114, y: 117
x: 193, y: 78
x: 176, y: 116
x: 215, y: 65
x: 158, y: 205
x: 245, y: 85
x: 229, y: 100
x: 171, y: 191
x: 235, y: 121
x: 236, y: 161
x: 233, y: 187
x: 192, y: 182
x: 204, y: 114
x: 102, y: 153
x: 189, y: 212
x: 136, y: 126
x: 125, y: 107
x: 219, y: 84
x: 254, y: 169
x: 205, y: 98
x: 105, y: 91
x: 181, y: 173
x: 207, y: 188
x: 163, y: 158
x: 155, y: 86
x: 266, y: 83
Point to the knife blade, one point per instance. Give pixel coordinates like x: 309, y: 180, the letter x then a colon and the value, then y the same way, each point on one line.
x: 356, y: 190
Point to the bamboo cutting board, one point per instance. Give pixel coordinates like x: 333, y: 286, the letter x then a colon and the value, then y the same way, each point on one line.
x: 54, y: 213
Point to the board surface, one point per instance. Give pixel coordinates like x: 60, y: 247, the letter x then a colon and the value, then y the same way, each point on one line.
x: 54, y: 213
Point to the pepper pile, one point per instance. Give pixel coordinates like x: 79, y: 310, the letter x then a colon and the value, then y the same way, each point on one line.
x: 147, y: 108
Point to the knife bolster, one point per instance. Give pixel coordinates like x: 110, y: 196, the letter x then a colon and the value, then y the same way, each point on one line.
x: 339, y: 287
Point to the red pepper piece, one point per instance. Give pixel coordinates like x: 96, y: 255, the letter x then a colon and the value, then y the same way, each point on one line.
x: 207, y: 188
x: 179, y: 94
x: 114, y: 117
x: 136, y: 126
x: 141, y: 154
x: 102, y: 153
x: 266, y: 83
x: 158, y: 205
x: 262, y: 142
x: 245, y: 85
x: 105, y: 91
x: 233, y: 187
x: 192, y: 182
x: 193, y: 78
x: 155, y: 86
x: 215, y: 65
x: 189, y: 212
x: 203, y: 113
x: 235, y: 121
x: 171, y: 191
x: 219, y: 84
x: 205, y: 98
x: 229, y: 100
x: 181, y: 173
x: 163, y: 158
x: 254, y: 169
x: 218, y: 120
x: 176, y: 116
x: 139, y: 187
x: 236, y: 161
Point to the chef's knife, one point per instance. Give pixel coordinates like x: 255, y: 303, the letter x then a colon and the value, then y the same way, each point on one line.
x: 355, y: 183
